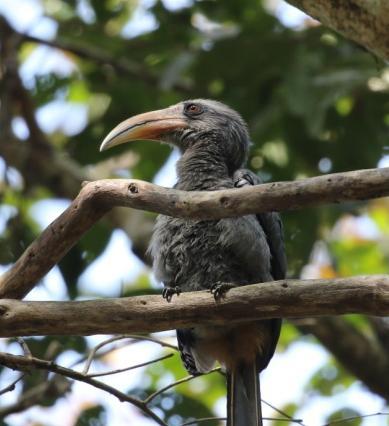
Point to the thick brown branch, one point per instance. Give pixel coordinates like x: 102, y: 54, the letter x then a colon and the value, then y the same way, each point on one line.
x: 365, y: 22
x: 97, y: 198
x: 288, y: 298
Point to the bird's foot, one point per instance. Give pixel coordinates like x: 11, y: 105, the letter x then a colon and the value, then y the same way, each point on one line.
x: 243, y: 180
x: 219, y: 289
x: 169, y: 292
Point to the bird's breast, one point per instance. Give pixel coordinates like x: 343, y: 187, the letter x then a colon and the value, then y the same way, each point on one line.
x: 195, y: 254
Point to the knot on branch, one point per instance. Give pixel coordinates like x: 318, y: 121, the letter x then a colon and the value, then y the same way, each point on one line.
x: 133, y: 188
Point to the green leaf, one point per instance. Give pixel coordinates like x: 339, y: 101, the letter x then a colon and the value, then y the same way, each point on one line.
x: 93, y: 416
x: 350, y: 414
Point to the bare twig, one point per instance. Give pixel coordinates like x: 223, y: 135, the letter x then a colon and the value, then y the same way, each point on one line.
x: 287, y: 419
x: 204, y: 419
x: 11, y: 386
x: 97, y: 198
x: 92, y: 353
x: 22, y: 363
x: 207, y: 419
x: 121, y: 370
x: 135, y: 339
x: 153, y: 340
x: 287, y: 416
x: 102, y: 354
x: 24, y: 346
x: 176, y: 383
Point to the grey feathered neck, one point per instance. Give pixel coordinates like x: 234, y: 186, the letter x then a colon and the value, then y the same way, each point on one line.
x: 204, y: 166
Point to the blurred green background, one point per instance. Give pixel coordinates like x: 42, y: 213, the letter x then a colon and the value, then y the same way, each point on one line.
x: 314, y: 102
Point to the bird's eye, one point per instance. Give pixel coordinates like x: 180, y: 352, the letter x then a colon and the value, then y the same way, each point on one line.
x: 193, y: 109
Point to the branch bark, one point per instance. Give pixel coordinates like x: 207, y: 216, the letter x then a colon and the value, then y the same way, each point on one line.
x: 364, y: 21
x: 97, y: 198
x: 285, y: 299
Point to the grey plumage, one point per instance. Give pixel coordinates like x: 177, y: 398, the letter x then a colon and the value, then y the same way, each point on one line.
x: 191, y: 255
x: 194, y: 255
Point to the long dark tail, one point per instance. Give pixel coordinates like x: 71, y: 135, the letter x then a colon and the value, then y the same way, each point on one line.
x: 244, y: 396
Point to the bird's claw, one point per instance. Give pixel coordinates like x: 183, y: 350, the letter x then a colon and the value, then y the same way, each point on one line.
x: 243, y: 180
x: 169, y: 292
x: 219, y: 289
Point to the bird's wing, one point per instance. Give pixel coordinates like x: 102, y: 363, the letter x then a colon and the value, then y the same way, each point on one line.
x: 196, y: 362
x: 272, y: 227
x: 270, y: 223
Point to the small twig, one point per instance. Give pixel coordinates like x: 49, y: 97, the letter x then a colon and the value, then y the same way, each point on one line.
x: 178, y: 382
x: 204, y: 419
x: 120, y: 370
x: 154, y: 340
x: 278, y: 419
x: 101, y: 354
x: 11, y: 386
x: 24, y: 346
x: 92, y: 353
x: 288, y: 417
x: 158, y: 392
x: 207, y: 419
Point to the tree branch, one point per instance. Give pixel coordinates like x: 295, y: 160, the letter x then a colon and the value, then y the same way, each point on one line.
x: 174, y: 384
x: 365, y: 22
x: 21, y: 363
x: 284, y: 299
x: 132, y: 367
x: 97, y: 198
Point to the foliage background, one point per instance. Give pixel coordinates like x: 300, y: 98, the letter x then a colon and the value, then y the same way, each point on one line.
x: 315, y: 103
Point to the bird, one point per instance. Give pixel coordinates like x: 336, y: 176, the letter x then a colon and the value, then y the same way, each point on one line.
x: 214, y: 255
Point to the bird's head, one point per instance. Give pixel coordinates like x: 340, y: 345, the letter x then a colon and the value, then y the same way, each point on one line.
x: 188, y: 125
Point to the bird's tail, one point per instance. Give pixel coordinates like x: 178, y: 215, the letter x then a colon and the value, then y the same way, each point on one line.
x: 244, y: 396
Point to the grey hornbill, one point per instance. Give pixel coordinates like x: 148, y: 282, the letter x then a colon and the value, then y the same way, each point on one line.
x: 215, y: 255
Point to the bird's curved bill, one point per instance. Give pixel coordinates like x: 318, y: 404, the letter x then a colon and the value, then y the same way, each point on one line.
x: 149, y: 126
